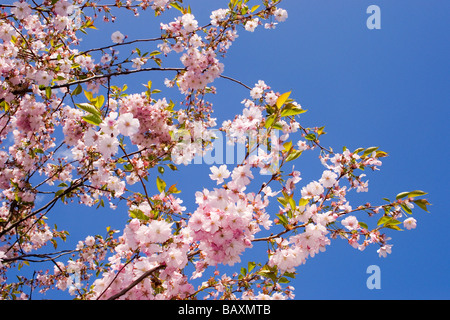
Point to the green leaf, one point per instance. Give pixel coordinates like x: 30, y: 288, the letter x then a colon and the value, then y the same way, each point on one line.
x: 369, y: 151
x: 294, y: 155
x: 416, y: 193
x: 59, y: 192
x: 282, y: 200
x: 172, y: 167
x: 389, y: 222
x: 89, y: 108
x: 302, y: 202
x: 287, y: 146
x: 283, y: 280
x: 282, y: 99
x: 268, y: 272
x: 177, y: 6
x: 394, y: 227
x: 254, y: 8
x: 88, y: 95
x: 278, y: 126
x: 363, y: 225
x: 311, y: 137
x: 160, y: 184
x: 292, y: 203
x: 410, y: 194
x: 289, y: 274
x: 98, y: 102
x: 383, y: 220
x: 48, y: 92
x: 422, y: 203
x: 292, y: 111
x: 4, y: 105
x: 270, y: 120
x: 406, y: 208
x: 401, y: 195
x: 251, y: 266
x: 321, y: 131
x: 77, y: 90
x: 93, y: 119
x: 284, y: 221
x: 138, y: 214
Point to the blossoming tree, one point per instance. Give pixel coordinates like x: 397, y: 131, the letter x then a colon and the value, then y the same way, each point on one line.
x: 57, y: 96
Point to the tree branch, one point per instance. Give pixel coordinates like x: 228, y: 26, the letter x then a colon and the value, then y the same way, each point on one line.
x: 99, y: 76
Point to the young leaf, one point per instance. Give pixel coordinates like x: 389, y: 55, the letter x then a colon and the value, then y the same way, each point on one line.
x: 422, y: 203
x: 48, y: 92
x: 77, y: 90
x: 282, y: 99
x: 363, y: 225
x: 302, y: 202
x: 411, y: 194
x: 251, y: 266
x: 270, y: 120
x: 89, y: 108
x: 369, y: 151
x: 99, y: 101
x: 254, y: 8
x: 294, y: 155
x: 406, y: 208
x: 93, y: 119
x: 402, y: 195
x: 160, y: 184
x: 383, y: 220
x: 416, y: 193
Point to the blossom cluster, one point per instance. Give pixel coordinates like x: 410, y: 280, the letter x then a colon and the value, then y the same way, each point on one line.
x: 70, y: 134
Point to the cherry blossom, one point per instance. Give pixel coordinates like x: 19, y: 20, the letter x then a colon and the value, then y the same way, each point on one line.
x: 21, y: 10
x: 251, y: 24
x: 219, y: 174
x: 117, y: 37
x: 410, y: 223
x: 73, y: 134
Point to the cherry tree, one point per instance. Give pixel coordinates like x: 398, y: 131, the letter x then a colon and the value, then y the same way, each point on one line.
x: 71, y: 135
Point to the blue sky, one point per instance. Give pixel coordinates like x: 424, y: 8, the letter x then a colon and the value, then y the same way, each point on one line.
x: 388, y: 88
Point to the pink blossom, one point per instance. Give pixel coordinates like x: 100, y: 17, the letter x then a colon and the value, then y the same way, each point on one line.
x: 117, y: 37
x: 108, y: 146
x: 127, y: 124
x: 351, y: 223
x: 385, y: 250
x: 21, y: 10
x: 328, y: 179
x: 280, y: 15
x: 241, y: 175
x: 251, y: 25
x: 410, y: 223
x: 63, y: 8
x: 312, y: 189
x: 159, y: 231
x: 189, y: 22
x: 219, y: 174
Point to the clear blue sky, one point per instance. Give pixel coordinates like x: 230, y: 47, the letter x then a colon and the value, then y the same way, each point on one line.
x: 387, y: 88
